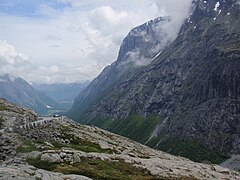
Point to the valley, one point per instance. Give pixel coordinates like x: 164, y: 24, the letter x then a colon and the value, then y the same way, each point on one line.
x: 113, y: 90
x: 59, y: 148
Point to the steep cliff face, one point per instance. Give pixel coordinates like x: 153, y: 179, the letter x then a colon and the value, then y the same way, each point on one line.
x: 137, y: 49
x: 187, y: 100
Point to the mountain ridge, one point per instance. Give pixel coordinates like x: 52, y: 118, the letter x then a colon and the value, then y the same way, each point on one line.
x: 188, y: 96
x: 17, y: 90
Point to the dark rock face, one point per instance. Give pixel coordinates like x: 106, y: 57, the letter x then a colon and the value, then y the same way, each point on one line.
x: 193, y: 85
x: 144, y: 39
x: 142, y: 42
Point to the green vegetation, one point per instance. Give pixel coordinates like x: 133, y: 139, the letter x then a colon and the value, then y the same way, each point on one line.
x: 135, y: 127
x: 85, y: 146
x: 27, y: 146
x: 96, y: 169
x: 140, y: 128
x: 101, y: 170
x: 42, y: 164
x: 190, y: 149
x: 2, y: 107
x: 79, y: 144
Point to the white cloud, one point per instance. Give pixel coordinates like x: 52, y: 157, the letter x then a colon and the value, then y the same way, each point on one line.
x: 178, y: 11
x: 76, y: 43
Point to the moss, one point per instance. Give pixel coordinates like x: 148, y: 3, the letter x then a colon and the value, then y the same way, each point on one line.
x: 96, y: 169
x: 27, y: 146
x: 191, y: 149
x: 80, y: 144
x: 101, y: 170
x: 3, y: 108
x: 42, y: 164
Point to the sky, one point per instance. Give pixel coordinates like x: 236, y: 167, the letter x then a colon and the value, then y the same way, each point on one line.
x: 66, y: 41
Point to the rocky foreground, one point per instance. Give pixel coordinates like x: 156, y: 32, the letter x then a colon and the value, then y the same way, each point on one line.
x: 59, y: 148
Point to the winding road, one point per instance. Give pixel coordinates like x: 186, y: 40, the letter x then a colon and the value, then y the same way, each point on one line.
x: 32, y: 125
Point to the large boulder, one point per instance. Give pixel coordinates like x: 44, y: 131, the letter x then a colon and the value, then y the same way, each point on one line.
x: 51, y: 158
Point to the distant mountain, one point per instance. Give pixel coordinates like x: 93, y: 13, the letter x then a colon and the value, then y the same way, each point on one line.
x: 20, y: 92
x: 187, y: 99
x: 64, y: 94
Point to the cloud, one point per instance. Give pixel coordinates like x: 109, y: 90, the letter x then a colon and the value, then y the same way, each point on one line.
x: 80, y: 37
x: 19, y: 65
x: 178, y: 12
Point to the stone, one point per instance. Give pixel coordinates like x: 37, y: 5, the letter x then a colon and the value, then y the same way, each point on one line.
x: 34, y: 155
x: 48, y: 144
x: 51, y: 158
x: 62, y: 154
x: 76, y: 158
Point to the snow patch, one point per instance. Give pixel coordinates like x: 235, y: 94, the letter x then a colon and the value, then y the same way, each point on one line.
x: 49, y: 107
x: 216, y: 6
x: 156, y: 55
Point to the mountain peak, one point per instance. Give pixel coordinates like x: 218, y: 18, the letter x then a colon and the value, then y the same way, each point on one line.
x: 141, y: 38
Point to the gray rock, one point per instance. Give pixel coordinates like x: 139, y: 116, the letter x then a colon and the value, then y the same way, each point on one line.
x: 76, y: 158
x: 48, y: 144
x: 34, y: 155
x: 51, y: 158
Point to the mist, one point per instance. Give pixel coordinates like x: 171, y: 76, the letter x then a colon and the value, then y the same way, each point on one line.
x: 174, y: 13
x: 177, y: 11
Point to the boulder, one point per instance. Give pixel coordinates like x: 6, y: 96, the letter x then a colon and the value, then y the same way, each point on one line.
x: 76, y: 158
x: 34, y: 155
x: 51, y: 158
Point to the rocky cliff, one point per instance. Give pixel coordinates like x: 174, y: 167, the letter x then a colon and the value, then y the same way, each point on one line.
x: 186, y: 101
x: 60, y: 149
x: 137, y: 49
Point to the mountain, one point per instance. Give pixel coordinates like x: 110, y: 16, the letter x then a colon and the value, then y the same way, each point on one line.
x: 186, y: 100
x: 64, y: 94
x: 17, y: 90
x: 142, y: 43
x: 59, y: 149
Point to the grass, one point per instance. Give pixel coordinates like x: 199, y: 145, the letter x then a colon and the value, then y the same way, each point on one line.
x: 96, y: 169
x: 3, y: 108
x: 27, y: 146
x: 42, y: 164
x: 135, y: 127
x: 79, y: 144
x: 190, y: 149
x: 140, y: 128
x: 85, y: 146
x: 101, y: 170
